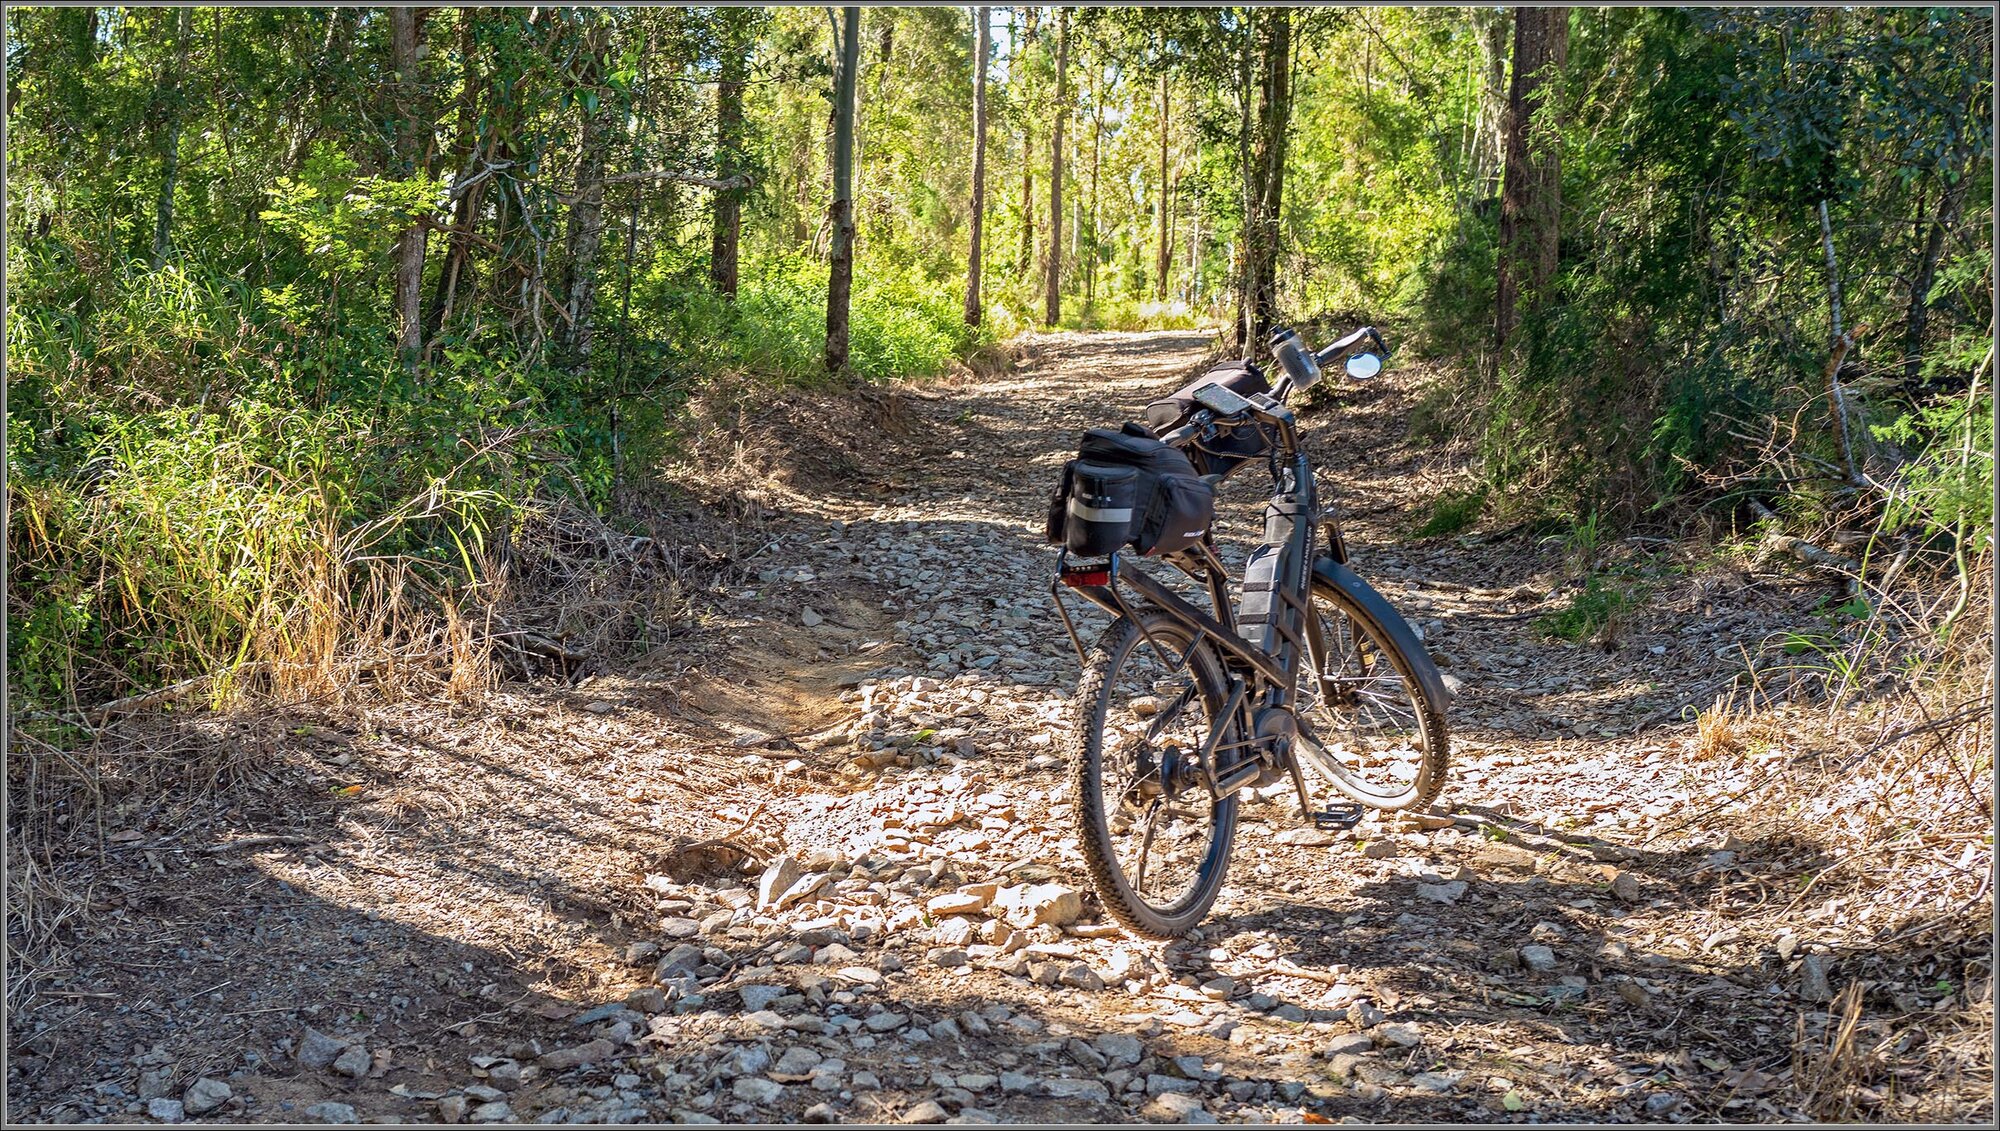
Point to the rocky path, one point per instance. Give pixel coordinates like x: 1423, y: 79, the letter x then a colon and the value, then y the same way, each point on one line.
x: 821, y: 867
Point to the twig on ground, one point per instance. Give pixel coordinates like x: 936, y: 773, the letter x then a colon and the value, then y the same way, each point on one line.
x: 250, y: 842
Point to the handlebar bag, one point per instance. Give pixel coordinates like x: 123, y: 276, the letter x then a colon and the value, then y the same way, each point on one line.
x: 1228, y: 452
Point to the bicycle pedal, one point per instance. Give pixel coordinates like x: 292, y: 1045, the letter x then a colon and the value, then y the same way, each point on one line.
x: 1339, y: 817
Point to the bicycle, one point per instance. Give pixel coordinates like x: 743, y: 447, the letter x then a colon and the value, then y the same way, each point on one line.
x: 1180, y: 709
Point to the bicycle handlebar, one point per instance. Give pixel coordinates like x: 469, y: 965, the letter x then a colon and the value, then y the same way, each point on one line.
x: 1345, y: 346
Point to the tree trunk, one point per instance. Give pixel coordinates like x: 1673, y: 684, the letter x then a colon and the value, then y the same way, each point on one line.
x: 470, y: 143
x: 1054, y: 283
x: 170, y: 138
x: 1274, y: 110
x: 1490, y: 138
x: 1026, y: 260
x: 722, y: 258
x: 983, y: 44
x: 1161, y: 262
x: 1239, y: 258
x: 586, y: 213
x: 1917, y: 315
x: 405, y: 30
x: 840, y: 279
x: 339, y: 27
x: 1531, y: 188
x: 1193, y: 284
x: 1096, y: 163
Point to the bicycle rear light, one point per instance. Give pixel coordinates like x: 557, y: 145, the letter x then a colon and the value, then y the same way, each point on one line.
x: 1075, y: 578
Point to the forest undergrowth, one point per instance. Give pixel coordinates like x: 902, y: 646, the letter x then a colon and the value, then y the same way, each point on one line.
x: 366, y: 356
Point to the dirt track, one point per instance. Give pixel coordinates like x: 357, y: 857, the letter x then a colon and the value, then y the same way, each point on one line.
x: 874, y: 695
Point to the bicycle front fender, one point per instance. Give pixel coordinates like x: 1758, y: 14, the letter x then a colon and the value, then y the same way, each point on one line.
x: 1386, y: 621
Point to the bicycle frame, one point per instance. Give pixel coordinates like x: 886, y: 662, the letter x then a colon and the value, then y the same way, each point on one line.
x: 1263, y: 683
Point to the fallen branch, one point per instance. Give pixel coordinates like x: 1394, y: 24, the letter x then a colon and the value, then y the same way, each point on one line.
x: 1806, y: 551
x: 131, y: 704
x: 527, y: 640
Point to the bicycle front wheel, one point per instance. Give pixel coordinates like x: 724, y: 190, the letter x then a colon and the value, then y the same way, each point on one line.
x: 1371, y: 725
x: 1156, y: 843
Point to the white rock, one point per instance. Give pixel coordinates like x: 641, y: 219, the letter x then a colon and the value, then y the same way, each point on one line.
x: 1402, y: 1034
x: 204, y: 1096
x: 1538, y: 958
x: 778, y: 877
x: 955, y: 903
x: 757, y: 1090
x: 1442, y: 893
x: 1034, y: 905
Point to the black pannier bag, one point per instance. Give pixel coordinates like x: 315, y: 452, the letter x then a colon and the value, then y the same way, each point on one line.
x: 1227, y: 453
x: 1103, y: 501
x: 1127, y: 488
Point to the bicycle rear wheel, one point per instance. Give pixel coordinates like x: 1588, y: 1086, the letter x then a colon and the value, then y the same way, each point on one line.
x: 1368, y: 725
x: 1157, y: 845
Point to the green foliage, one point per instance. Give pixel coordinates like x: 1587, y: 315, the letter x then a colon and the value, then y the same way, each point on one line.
x: 189, y: 541
x: 1947, y: 488
x: 903, y: 325
x: 1452, y: 512
x: 1692, y: 297
x: 1595, y: 607
x: 206, y: 209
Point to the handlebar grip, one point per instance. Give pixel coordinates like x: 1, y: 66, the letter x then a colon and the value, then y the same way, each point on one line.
x: 1188, y: 431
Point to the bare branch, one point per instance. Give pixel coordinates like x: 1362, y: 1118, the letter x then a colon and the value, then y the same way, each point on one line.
x: 719, y: 184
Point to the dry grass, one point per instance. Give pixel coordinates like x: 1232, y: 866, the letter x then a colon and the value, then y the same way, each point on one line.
x: 1875, y: 760
x: 752, y: 447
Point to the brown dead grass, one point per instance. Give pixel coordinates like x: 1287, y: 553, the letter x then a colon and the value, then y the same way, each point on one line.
x: 1885, y: 782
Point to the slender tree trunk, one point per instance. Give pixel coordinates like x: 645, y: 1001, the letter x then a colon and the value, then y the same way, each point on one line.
x: 339, y: 28
x: 1917, y: 314
x: 585, y: 236
x: 1531, y: 189
x: 170, y: 99
x: 1096, y: 163
x: 466, y: 151
x: 1239, y: 251
x: 840, y: 279
x: 722, y: 258
x: 1274, y: 109
x: 983, y: 44
x: 1193, y: 284
x: 1054, y: 282
x: 1490, y: 138
x: 1026, y: 261
x: 1161, y: 261
x: 405, y: 31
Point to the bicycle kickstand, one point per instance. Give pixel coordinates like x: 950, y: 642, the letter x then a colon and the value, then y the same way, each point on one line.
x: 1337, y: 817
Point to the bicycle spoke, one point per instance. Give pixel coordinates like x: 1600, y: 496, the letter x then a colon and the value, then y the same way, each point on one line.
x: 1145, y: 848
x: 1358, y: 723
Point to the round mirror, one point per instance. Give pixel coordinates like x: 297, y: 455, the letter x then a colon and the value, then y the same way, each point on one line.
x: 1362, y: 366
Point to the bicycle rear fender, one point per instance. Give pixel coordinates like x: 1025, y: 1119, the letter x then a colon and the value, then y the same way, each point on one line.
x: 1385, y: 619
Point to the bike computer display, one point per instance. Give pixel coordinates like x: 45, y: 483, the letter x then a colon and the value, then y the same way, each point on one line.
x: 1220, y: 400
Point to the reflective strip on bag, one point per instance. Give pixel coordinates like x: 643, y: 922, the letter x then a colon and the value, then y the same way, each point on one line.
x: 1099, y: 514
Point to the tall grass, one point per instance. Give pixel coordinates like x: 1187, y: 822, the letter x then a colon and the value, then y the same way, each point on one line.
x: 902, y: 323
x: 192, y: 544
